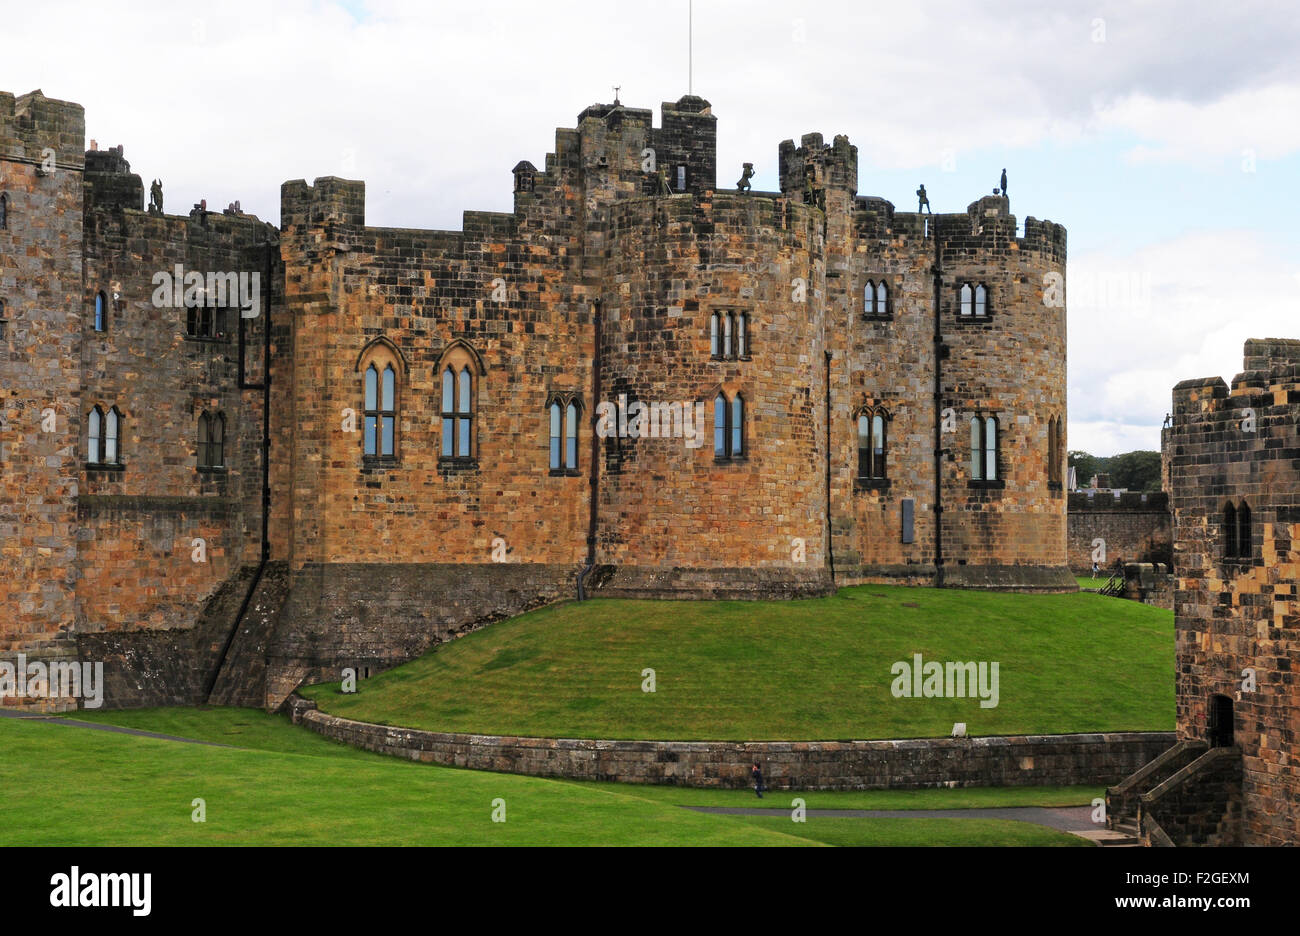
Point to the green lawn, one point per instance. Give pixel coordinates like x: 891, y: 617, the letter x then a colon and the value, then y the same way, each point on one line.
x: 65, y: 785
x: 795, y: 670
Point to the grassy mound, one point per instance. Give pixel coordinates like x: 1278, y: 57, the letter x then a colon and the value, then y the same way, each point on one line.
x: 795, y: 670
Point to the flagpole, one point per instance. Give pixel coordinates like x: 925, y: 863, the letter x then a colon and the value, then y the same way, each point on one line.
x: 690, y: 46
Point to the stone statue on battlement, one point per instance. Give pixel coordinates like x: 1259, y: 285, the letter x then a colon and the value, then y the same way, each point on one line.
x: 661, y: 182
x: 923, y: 201
x: 1003, y: 186
x: 745, y: 176
x: 155, y: 198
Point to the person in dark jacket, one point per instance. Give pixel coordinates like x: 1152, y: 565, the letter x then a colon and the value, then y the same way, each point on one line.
x: 757, y: 773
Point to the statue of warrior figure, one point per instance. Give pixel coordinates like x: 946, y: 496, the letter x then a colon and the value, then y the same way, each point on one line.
x: 661, y: 182
x: 923, y: 203
x: 745, y: 176
x: 155, y: 198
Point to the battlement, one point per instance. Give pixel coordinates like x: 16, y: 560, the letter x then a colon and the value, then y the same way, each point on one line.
x: 1133, y: 501
x: 1271, y: 369
x: 31, y: 123
x: 328, y: 200
x: 814, y: 165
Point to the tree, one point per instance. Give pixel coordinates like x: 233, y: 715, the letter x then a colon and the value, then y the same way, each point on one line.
x: 1085, y: 466
x: 1136, y: 471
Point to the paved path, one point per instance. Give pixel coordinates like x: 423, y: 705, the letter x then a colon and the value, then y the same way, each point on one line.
x: 58, y: 720
x: 1061, y: 818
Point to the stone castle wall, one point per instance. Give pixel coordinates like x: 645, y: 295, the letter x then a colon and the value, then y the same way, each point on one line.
x: 1029, y: 760
x: 41, y: 248
x: 1135, y: 528
x: 1237, y: 613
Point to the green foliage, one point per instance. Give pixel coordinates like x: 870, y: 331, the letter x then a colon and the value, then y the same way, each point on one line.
x: 1135, y: 471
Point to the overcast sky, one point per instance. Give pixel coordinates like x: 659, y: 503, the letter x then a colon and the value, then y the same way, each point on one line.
x: 1165, y: 136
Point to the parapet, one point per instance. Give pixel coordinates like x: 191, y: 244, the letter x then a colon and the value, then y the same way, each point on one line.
x: 31, y: 123
x: 328, y: 200
x: 1128, y: 500
x: 822, y: 164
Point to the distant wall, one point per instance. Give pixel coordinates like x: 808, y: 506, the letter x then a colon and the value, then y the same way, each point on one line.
x: 1136, y: 528
x: 1029, y: 760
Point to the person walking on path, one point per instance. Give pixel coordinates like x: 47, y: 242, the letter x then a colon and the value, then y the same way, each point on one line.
x: 1094, y: 568
x: 757, y: 773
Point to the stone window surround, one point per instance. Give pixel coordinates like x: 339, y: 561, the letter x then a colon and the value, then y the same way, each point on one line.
x: 563, y: 399
x: 891, y: 290
x: 881, y: 483
x: 973, y: 318
x: 735, y: 310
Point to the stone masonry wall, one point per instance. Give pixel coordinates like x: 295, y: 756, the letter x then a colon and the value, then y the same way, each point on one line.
x: 41, y: 161
x: 1239, y: 613
x: 789, y: 765
x: 1135, y: 527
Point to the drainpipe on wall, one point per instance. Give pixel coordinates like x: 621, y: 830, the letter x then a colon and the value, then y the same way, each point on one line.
x: 830, y: 527
x: 594, y: 476
x: 939, y: 351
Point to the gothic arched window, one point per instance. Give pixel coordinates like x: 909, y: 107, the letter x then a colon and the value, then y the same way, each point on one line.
x: 872, y: 444
x: 95, y: 436
x: 458, y: 404
x: 381, y: 411
x: 101, y: 312
x: 1230, y: 531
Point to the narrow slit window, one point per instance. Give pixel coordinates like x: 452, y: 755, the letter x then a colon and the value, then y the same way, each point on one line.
x: 967, y: 299
x: 976, y: 450
x: 991, y: 448
x: 737, y: 426
x: 864, y: 446
x: 1230, y: 531
x: 1244, y: 542
x: 882, y: 298
x: 571, y: 437
x: 94, y: 436
x: 555, y: 435
x: 877, y: 446
x: 101, y: 312
x: 981, y: 300
x: 448, y: 413
x: 742, y: 338
x: 463, y: 413
x: 720, y: 426
x: 112, y: 431
x: 715, y: 347
x: 372, y: 410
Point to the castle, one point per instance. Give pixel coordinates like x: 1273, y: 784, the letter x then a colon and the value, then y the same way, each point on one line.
x: 1233, y: 457
x: 237, y: 456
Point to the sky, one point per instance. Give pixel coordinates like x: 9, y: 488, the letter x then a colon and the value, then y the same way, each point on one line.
x: 1165, y: 136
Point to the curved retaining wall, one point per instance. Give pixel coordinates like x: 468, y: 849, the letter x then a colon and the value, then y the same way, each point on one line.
x: 1030, y: 760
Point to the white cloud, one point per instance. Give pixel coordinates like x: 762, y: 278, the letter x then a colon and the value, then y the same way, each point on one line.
x: 1140, y: 322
